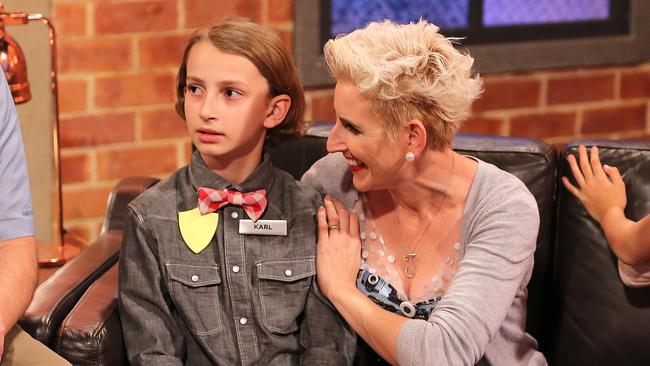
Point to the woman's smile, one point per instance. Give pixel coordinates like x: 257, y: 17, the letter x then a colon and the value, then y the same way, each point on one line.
x: 353, y: 164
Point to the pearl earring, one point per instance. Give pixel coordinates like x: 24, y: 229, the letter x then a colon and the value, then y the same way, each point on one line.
x: 410, y: 156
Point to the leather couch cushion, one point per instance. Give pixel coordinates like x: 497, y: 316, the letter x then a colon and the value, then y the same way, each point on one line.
x: 600, y: 321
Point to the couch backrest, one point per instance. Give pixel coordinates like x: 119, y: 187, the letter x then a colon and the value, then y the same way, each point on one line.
x: 600, y: 321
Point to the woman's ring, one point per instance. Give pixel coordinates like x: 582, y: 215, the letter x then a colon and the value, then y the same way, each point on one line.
x: 334, y: 227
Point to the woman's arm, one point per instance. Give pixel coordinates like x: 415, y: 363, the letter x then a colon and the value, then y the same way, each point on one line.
x: 338, y: 259
x: 492, y: 273
x: 602, y: 191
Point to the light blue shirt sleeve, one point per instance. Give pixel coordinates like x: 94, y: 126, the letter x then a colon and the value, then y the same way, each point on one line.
x: 16, y: 217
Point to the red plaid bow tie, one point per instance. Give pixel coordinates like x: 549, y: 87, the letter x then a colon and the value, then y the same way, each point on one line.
x: 254, y: 203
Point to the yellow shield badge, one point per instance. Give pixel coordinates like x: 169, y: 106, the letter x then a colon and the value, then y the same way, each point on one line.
x: 197, y: 230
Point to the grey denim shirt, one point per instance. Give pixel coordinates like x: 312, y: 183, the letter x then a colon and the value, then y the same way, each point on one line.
x: 244, y: 299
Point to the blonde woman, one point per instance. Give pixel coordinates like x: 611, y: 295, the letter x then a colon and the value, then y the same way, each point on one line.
x: 426, y: 253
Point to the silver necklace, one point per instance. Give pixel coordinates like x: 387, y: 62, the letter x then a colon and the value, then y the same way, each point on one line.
x: 410, y: 267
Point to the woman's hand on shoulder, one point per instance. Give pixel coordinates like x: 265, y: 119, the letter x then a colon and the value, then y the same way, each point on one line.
x: 338, y: 253
x: 600, y: 188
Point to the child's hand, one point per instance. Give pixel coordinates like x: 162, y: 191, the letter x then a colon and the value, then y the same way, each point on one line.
x: 338, y: 253
x: 600, y: 188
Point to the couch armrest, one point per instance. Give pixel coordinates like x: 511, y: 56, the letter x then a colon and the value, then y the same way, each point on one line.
x: 55, y: 297
x: 92, y: 334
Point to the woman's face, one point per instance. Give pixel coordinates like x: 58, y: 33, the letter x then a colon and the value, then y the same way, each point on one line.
x: 374, y: 160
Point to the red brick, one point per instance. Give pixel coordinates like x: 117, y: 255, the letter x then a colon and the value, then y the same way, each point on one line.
x: 322, y: 108
x: 640, y: 137
x: 135, y: 89
x: 201, y: 13
x: 70, y: 19
x: 97, y: 129
x: 75, y: 168
x: 72, y: 95
x: 287, y: 38
x: 94, y: 55
x: 142, y: 160
x: 162, y: 124
x: 635, y: 85
x: 615, y: 119
x: 135, y: 16
x: 508, y: 94
x: 157, y: 51
x: 84, y: 202
x: 540, y: 125
x: 577, y: 89
x: 483, y: 125
x: 280, y: 11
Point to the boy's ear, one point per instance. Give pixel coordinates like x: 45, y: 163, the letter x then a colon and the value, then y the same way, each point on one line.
x: 278, y: 109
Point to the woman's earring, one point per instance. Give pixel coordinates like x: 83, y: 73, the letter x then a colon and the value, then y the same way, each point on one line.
x: 410, y: 156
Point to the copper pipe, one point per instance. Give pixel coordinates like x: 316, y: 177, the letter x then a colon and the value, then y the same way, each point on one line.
x: 55, y: 128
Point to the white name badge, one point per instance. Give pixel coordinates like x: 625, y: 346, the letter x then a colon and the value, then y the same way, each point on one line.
x: 263, y: 227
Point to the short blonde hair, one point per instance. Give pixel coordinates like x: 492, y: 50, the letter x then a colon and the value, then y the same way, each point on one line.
x: 408, y: 72
x: 263, y: 47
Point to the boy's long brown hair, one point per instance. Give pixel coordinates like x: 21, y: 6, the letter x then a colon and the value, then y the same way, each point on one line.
x: 264, y: 48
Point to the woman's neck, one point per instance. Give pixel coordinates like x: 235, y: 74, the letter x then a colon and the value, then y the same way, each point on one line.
x: 426, y: 185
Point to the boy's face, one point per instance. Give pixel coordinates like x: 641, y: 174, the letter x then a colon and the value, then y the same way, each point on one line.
x: 226, y: 104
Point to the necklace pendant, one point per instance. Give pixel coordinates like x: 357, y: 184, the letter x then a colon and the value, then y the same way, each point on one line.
x: 409, y: 267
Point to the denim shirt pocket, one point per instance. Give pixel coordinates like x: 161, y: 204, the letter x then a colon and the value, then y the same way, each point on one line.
x: 194, y: 291
x: 283, y: 289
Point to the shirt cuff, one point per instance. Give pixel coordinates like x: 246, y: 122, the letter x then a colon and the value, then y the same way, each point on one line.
x: 16, y: 228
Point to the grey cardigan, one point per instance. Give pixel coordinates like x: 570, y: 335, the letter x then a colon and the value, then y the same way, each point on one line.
x: 481, y: 318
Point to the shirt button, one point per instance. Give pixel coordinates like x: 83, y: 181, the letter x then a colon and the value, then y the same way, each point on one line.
x: 243, y: 321
x: 235, y: 269
x: 195, y: 278
x: 234, y: 215
x: 288, y: 273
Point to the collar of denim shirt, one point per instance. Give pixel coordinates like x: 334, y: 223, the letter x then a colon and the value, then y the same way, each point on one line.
x: 260, y: 178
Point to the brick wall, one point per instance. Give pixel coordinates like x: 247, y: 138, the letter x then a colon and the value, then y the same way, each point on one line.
x: 118, y: 59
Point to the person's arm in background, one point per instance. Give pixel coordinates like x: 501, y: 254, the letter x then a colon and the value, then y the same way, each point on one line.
x: 18, y: 264
x: 602, y: 191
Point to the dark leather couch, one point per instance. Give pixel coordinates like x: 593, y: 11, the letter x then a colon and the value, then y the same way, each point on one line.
x: 579, y: 310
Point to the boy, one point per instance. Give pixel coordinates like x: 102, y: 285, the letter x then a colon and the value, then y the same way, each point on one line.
x: 217, y: 264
